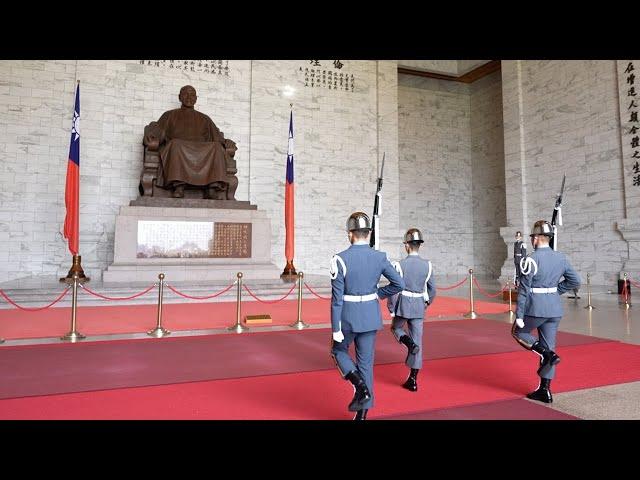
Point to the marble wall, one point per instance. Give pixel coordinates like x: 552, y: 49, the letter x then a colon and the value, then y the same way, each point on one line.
x: 341, y: 134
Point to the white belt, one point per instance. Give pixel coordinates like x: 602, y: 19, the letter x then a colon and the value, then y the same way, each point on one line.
x: 407, y: 293
x: 360, y: 298
x: 544, y: 290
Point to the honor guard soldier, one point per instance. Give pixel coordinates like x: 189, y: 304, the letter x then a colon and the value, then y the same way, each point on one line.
x: 408, y: 307
x: 519, y: 253
x: 355, y: 309
x: 539, y: 305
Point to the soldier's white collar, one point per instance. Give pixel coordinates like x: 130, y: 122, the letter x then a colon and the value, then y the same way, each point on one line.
x: 360, y: 242
x: 412, y: 254
x: 543, y: 246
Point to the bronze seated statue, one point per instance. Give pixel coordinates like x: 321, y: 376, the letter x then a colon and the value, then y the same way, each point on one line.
x: 185, y: 150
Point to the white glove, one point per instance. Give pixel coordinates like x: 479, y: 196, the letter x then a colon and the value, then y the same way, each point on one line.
x: 520, y: 322
x: 338, y: 336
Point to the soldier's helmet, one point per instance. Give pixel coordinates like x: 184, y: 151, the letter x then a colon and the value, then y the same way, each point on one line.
x: 413, y: 235
x: 358, y: 221
x: 541, y: 227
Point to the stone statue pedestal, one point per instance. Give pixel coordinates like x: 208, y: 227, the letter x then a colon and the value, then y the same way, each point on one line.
x: 190, y: 240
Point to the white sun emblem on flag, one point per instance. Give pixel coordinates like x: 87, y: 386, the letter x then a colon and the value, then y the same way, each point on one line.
x: 76, y: 125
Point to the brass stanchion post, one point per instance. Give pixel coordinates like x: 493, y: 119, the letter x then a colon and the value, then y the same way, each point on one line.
x: 159, y: 331
x: 238, y: 327
x: 299, y: 324
x: 472, y: 313
x: 73, y: 335
x: 510, y: 303
x: 589, y: 306
x: 626, y: 290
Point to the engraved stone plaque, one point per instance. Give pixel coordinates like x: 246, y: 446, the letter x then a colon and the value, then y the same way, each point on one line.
x: 180, y: 239
x: 231, y: 240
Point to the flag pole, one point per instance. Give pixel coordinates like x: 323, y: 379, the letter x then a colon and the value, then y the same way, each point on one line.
x: 289, y: 272
x: 76, y: 261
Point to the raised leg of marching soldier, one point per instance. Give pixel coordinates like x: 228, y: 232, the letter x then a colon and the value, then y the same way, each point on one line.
x: 539, y: 305
x: 413, y: 342
x: 544, y: 346
x: 360, y: 372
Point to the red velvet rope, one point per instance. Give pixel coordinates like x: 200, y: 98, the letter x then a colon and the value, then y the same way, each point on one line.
x: 314, y: 293
x: 453, y: 286
x: 35, y: 309
x: 271, y: 301
x: 485, y: 293
x: 99, y: 295
x: 200, y: 298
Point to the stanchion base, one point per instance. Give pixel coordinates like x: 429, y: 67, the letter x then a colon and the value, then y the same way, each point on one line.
x: 627, y: 306
x: 299, y: 325
x: 471, y: 315
x: 73, y: 337
x: 590, y: 307
x: 158, y: 332
x: 511, y: 313
x: 238, y: 328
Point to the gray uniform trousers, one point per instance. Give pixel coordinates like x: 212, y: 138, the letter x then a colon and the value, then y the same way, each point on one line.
x: 365, y: 343
x: 415, y: 326
x: 547, y: 330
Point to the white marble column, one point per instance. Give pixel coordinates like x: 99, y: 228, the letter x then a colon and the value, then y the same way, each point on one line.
x: 514, y: 160
x: 629, y: 227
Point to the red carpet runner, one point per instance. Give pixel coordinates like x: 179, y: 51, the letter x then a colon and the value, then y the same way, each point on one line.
x: 64, y: 367
x: 446, y: 383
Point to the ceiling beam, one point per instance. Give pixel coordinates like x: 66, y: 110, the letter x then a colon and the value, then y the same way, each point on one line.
x: 469, y: 77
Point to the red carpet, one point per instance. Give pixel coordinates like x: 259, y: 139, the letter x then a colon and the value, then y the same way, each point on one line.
x: 63, y: 367
x: 446, y: 383
x: 93, y: 320
x: 519, y: 409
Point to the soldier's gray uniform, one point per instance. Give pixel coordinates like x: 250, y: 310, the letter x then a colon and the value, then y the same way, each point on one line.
x: 539, y: 303
x: 355, y: 309
x: 409, y: 305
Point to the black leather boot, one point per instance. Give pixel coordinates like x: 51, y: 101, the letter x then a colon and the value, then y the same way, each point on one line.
x: 549, y: 357
x: 361, y: 415
x: 543, y: 393
x: 361, y: 395
x: 412, y: 347
x: 412, y: 382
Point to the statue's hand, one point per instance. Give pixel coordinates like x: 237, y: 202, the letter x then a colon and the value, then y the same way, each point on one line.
x: 153, y: 136
x: 152, y: 143
x: 230, y: 144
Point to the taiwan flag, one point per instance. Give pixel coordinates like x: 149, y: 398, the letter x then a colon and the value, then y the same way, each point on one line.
x: 72, y: 189
x: 288, y: 198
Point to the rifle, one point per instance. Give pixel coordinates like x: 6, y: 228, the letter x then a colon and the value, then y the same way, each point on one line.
x: 374, y: 241
x: 556, y: 218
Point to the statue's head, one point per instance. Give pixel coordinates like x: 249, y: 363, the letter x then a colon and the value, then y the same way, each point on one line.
x: 188, y: 96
